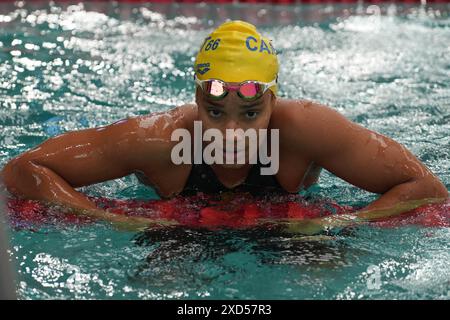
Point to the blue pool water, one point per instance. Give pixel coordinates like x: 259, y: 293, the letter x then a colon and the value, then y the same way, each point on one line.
x: 70, y: 67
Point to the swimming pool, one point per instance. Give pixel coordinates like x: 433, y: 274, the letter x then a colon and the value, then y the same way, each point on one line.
x: 69, y: 67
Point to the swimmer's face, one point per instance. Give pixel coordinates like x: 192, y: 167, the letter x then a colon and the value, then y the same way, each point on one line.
x: 232, y: 112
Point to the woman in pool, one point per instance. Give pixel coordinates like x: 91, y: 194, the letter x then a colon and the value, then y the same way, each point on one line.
x: 236, y: 73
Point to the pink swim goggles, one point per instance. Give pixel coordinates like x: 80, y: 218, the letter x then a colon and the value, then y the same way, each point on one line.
x: 248, y: 90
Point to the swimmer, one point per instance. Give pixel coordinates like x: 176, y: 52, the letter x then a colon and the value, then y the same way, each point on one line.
x: 236, y: 83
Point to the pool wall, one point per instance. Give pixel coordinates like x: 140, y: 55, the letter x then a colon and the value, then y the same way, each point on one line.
x: 7, y: 286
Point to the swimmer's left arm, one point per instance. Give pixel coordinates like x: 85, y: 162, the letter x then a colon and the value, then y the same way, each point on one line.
x: 367, y: 160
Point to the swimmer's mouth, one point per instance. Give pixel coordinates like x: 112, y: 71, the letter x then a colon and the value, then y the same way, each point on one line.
x: 233, y: 151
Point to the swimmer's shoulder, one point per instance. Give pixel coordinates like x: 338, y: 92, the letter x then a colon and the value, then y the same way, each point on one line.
x: 306, y: 123
x: 147, y: 138
x: 148, y: 142
x: 162, y: 124
x: 290, y: 114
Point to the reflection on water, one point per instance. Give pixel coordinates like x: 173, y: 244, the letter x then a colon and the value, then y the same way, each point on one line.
x: 216, y: 261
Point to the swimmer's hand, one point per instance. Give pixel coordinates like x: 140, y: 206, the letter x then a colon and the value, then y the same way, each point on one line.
x: 316, y: 226
x: 374, y: 213
x: 123, y: 222
x: 306, y: 227
x: 333, y: 222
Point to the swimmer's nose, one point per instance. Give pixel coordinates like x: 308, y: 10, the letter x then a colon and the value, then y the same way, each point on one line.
x: 232, y: 124
x: 237, y: 136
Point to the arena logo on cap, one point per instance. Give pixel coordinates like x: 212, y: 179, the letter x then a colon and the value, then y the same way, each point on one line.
x: 233, y: 153
x: 203, y: 68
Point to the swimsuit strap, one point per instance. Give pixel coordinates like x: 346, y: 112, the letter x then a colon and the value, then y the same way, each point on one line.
x: 203, y: 179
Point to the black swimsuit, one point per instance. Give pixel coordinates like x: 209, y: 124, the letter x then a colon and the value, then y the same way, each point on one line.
x: 203, y: 179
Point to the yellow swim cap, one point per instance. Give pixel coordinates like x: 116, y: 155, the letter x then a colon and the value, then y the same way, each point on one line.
x: 236, y: 52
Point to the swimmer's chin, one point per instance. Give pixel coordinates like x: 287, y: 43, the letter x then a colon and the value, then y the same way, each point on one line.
x: 234, y: 163
x: 231, y: 166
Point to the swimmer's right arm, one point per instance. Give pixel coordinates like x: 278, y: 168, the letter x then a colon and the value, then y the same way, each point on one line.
x: 51, y: 171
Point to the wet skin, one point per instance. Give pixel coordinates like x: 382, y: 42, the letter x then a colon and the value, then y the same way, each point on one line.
x: 312, y: 137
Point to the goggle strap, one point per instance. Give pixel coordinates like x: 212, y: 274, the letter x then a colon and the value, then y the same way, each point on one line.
x: 264, y: 85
